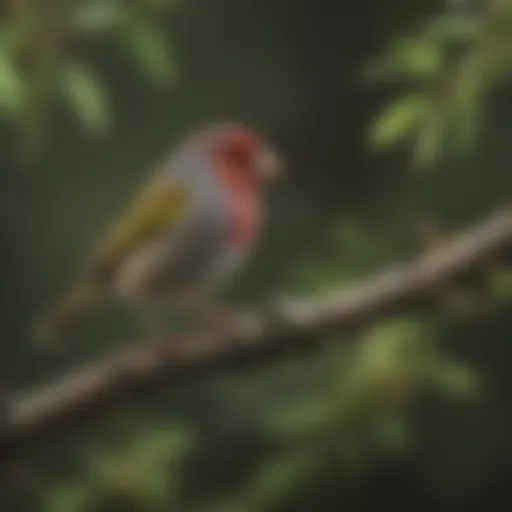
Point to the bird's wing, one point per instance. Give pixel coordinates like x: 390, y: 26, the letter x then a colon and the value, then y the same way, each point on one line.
x: 160, y: 207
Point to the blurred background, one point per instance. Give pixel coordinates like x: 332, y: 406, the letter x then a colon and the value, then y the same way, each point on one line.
x: 395, y: 118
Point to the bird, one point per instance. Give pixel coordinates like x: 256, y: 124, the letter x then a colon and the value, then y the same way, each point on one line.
x: 188, y: 232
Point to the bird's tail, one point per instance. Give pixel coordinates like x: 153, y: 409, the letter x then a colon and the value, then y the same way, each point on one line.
x: 67, y: 312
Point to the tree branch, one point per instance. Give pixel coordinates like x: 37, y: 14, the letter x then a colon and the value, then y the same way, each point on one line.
x: 52, y: 408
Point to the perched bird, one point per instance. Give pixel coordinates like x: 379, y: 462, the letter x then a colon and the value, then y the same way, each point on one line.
x: 189, y: 231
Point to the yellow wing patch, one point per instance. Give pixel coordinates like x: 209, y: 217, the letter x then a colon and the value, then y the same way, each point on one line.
x: 159, y: 207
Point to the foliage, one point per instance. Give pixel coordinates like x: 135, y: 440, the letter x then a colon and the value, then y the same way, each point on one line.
x: 44, y: 59
x: 449, y: 69
x: 142, y: 474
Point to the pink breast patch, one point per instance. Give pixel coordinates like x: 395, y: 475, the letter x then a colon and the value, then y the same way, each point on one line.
x: 244, y: 217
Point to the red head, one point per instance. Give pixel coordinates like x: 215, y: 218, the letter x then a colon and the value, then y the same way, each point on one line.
x: 239, y: 153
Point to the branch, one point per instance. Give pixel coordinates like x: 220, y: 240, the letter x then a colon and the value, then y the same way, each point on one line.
x: 87, y: 391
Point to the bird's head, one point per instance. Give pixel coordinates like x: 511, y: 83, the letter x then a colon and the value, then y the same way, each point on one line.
x: 239, y: 152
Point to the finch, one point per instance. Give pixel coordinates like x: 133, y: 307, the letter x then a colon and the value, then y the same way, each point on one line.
x: 191, y: 229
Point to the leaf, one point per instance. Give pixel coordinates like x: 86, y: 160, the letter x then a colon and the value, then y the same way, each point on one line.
x: 456, y: 380
x: 398, y: 346
x: 148, y: 46
x: 413, y: 58
x: 85, y: 95
x: 398, y: 121
x: 11, y: 87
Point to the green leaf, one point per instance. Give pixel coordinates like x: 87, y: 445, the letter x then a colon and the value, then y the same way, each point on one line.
x: 398, y: 121
x: 414, y: 58
x: 11, y: 87
x: 149, y: 48
x: 395, y: 345
x: 85, y: 95
x: 456, y: 380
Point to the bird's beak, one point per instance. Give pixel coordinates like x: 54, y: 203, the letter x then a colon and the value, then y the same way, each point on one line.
x: 270, y: 165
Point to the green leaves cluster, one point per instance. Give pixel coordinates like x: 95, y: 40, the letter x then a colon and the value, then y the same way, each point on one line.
x: 357, y: 410
x: 444, y: 75
x: 143, y: 473
x: 43, y: 59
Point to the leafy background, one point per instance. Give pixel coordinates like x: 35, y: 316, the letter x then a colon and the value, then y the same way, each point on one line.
x: 395, y: 121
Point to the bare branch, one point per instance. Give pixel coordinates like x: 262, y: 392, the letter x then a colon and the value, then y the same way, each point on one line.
x: 52, y: 408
